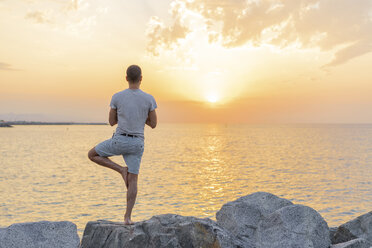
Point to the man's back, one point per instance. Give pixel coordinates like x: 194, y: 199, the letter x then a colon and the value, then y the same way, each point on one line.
x: 133, y: 107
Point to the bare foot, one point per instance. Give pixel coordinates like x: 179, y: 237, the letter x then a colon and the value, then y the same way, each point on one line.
x: 124, y: 174
x: 127, y: 221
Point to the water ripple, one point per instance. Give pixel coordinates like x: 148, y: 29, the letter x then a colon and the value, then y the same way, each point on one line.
x: 186, y: 169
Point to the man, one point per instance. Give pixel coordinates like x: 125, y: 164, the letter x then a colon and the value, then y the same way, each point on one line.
x: 131, y: 109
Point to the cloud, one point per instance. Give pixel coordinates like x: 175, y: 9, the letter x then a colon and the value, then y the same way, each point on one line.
x: 74, y: 17
x: 77, y: 4
x: 6, y: 67
x: 342, y: 27
x: 352, y: 51
x: 38, y: 17
x: 162, y: 36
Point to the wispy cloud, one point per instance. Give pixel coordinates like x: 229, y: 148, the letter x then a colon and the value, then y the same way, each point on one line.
x: 38, y: 17
x: 77, y: 5
x: 70, y: 16
x: 6, y: 67
x: 342, y: 27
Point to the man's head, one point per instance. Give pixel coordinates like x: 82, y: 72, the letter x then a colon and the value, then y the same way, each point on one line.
x: 134, y: 74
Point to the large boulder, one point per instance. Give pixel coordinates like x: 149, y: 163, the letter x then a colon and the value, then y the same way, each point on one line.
x: 43, y: 234
x: 168, y: 230
x: 355, y: 243
x: 360, y: 227
x: 293, y: 226
x: 241, y: 217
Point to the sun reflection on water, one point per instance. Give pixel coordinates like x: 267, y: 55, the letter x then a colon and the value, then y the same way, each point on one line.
x: 186, y: 169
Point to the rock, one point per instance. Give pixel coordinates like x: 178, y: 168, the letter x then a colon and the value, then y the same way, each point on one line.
x: 2, y: 233
x: 241, y: 217
x: 332, y: 231
x: 293, y: 226
x: 355, y: 243
x: 43, y: 234
x: 167, y: 230
x: 360, y: 227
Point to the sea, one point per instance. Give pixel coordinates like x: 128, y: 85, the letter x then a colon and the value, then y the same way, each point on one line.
x: 186, y: 169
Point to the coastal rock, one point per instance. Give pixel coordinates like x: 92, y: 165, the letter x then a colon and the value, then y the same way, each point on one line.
x: 293, y: 226
x: 167, y: 230
x: 241, y: 217
x: 43, y: 234
x: 355, y: 243
x: 360, y: 227
x: 332, y: 231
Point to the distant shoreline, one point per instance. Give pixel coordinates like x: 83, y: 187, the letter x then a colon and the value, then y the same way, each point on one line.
x: 13, y: 123
x: 2, y: 124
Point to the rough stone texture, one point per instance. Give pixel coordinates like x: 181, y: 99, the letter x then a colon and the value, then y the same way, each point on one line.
x: 355, y: 243
x: 241, y: 217
x: 2, y: 233
x: 360, y: 227
x: 43, y: 234
x: 293, y: 226
x: 332, y: 231
x: 168, y: 230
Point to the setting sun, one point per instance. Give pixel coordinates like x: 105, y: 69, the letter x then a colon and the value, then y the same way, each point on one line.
x: 212, y: 98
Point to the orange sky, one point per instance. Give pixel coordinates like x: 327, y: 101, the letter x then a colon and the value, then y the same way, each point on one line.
x: 260, y: 61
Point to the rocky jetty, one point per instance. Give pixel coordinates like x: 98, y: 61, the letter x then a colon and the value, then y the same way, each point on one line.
x: 258, y: 220
x: 4, y: 124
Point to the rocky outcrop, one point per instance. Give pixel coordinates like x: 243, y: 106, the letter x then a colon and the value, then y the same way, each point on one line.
x: 168, y: 230
x: 360, y: 227
x: 242, y: 216
x: 43, y: 234
x: 293, y: 226
x: 258, y: 220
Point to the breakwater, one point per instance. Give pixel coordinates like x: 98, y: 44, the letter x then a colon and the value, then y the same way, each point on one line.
x: 258, y: 220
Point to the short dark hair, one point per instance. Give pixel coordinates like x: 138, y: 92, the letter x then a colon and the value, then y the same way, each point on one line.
x: 134, y: 73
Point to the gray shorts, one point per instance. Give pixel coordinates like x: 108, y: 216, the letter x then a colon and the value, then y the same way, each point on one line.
x: 131, y: 148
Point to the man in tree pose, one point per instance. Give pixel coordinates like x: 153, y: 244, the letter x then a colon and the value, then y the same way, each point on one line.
x: 131, y: 109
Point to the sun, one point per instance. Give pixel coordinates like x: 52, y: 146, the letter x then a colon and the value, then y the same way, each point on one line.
x: 212, y: 97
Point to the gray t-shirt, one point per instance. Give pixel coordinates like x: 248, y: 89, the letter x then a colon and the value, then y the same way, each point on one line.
x: 133, y: 107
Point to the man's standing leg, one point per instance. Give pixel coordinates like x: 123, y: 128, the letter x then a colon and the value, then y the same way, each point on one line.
x: 131, y: 197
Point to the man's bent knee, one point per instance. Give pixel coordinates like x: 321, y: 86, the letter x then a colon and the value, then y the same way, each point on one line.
x: 92, y: 153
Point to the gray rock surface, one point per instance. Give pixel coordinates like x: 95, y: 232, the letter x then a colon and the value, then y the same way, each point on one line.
x: 241, y: 217
x: 293, y: 226
x: 168, y: 230
x: 258, y: 220
x: 43, y: 234
x: 360, y: 227
x: 332, y: 231
x: 355, y: 243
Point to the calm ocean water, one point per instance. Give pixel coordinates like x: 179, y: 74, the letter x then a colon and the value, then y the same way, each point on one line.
x: 187, y: 169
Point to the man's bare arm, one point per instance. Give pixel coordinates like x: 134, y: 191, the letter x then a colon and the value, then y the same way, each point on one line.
x: 152, y: 119
x: 113, y: 117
